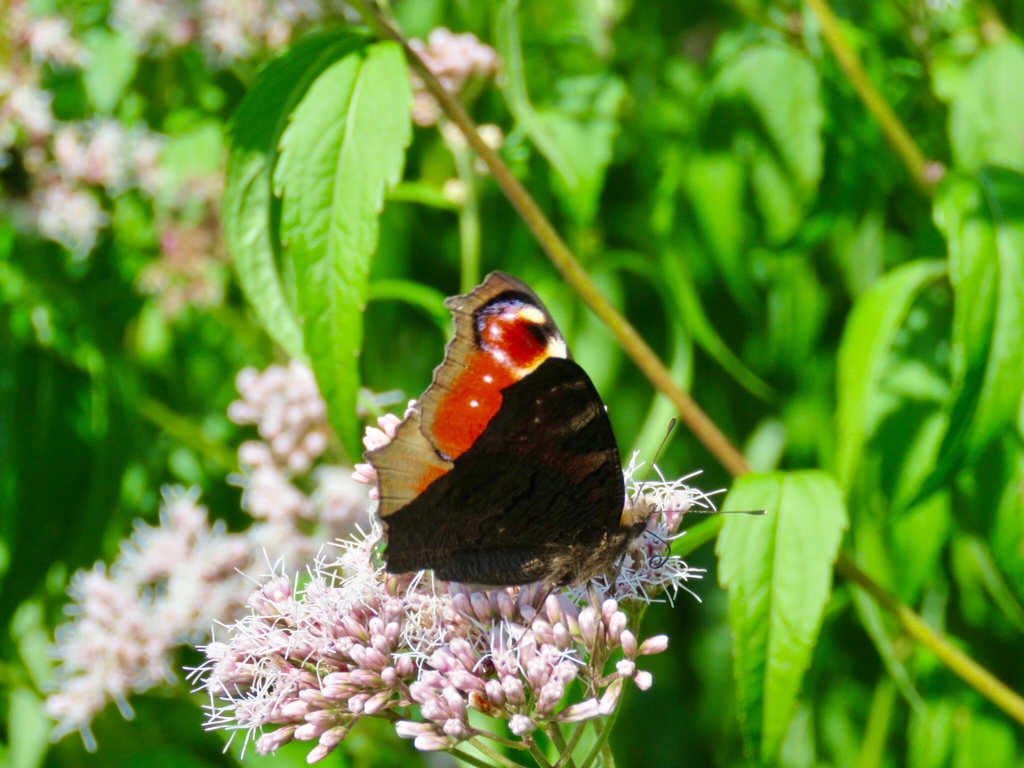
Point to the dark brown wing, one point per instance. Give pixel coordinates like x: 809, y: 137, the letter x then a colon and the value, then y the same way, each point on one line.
x: 542, y: 478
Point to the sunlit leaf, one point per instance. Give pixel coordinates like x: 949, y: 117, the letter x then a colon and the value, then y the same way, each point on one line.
x: 986, y: 120
x: 583, y: 127
x: 248, y: 197
x: 778, y: 570
x: 983, y: 219
x: 775, y: 92
x: 345, y: 146
x: 867, y: 339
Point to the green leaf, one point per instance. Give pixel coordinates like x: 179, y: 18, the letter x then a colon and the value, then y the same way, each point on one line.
x: 986, y: 119
x: 983, y: 220
x: 345, y: 147
x: 779, y: 93
x: 583, y: 128
x: 873, y: 554
x: 423, y: 297
x: 778, y: 571
x: 248, y: 196
x: 715, y: 184
x: 1008, y: 527
x: 112, y: 64
x: 867, y: 339
x: 930, y: 735
x: 984, y: 741
x: 687, y: 306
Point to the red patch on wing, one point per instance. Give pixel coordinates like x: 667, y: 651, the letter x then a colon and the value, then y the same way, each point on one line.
x: 464, y: 411
x: 510, y: 334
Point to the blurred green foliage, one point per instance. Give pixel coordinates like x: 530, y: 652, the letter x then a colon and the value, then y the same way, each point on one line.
x: 715, y: 171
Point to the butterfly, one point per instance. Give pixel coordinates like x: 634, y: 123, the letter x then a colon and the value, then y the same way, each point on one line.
x: 506, y: 471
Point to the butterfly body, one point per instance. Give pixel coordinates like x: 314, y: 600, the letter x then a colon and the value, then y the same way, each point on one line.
x: 506, y: 471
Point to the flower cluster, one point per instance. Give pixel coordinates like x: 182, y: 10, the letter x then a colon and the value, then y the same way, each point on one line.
x: 227, y: 29
x: 169, y: 583
x: 454, y: 59
x: 358, y: 642
x: 285, y: 405
x: 172, y: 581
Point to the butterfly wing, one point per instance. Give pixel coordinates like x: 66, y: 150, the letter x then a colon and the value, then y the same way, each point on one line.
x: 543, y: 478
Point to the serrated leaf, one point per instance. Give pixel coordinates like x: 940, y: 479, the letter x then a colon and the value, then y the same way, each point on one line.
x: 778, y: 571
x: 867, y: 339
x: 983, y: 219
x: 345, y: 147
x: 781, y: 138
x: 986, y: 118
x: 248, y: 213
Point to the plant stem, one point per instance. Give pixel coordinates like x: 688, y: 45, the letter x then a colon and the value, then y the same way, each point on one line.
x: 926, y: 174
x: 656, y: 372
x: 538, y: 755
x: 956, y: 660
x: 468, y: 758
x: 565, y: 760
x: 469, y: 222
x: 602, y: 738
x: 872, y: 748
x: 496, y: 757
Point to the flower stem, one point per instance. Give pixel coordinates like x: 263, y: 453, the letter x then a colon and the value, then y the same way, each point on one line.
x: 603, y: 732
x: 565, y: 761
x: 469, y: 222
x: 565, y: 749
x: 926, y: 174
x: 468, y: 758
x: 497, y: 757
x: 538, y: 755
x: 956, y: 660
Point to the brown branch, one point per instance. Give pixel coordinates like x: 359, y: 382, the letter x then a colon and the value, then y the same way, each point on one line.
x: 926, y: 173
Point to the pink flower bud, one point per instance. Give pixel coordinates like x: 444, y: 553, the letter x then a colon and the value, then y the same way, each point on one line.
x: 431, y: 742
x: 481, y: 606
x: 513, y: 689
x: 521, y: 725
x: 407, y: 729
x: 270, y: 742
x: 625, y: 667
x: 456, y: 728
x: 584, y: 710
x: 643, y: 680
x: 334, y: 737
x: 616, y: 626
x: 495, y: 694
x: 377, y: 702
x: 608, y: 609
x: 653, y: 645
x: 588, y: 626
x: 405, y: 667
x: 628, y: 642
x: 610, y: 698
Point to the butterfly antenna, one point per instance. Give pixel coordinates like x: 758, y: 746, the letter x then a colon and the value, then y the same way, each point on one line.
x: 657, y: 453
x: 695, y: 510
